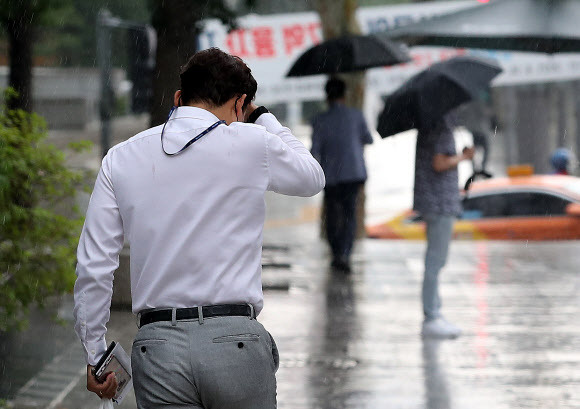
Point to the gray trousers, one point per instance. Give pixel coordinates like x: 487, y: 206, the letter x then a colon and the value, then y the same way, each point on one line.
x: 439, y: 233
x: 222, y: 363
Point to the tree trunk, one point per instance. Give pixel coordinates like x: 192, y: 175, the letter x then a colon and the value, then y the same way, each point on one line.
x: 20, y: 37
x: 175, y: 22
x: 338, y: 17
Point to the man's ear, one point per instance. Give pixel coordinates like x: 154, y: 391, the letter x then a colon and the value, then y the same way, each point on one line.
x: 240, y: 104
x: 177, y: 98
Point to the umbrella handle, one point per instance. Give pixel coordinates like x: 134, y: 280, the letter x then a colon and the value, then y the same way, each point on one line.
x: 480, y: 173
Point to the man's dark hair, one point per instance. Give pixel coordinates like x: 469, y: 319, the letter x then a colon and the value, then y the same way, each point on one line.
x: 335, y: 89
x: 214, y: 77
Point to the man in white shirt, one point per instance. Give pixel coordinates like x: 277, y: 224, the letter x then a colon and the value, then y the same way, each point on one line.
x: 188, y: 197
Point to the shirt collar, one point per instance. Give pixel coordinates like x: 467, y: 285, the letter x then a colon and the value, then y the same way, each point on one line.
x: 194, y: 112
x: 336, y: 107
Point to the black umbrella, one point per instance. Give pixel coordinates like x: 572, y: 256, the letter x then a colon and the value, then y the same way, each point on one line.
x: 348, y: 54
x: 428, y: 96
x: 548, y: 26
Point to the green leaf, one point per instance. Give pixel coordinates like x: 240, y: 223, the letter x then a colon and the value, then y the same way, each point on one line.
x: 40, y: 223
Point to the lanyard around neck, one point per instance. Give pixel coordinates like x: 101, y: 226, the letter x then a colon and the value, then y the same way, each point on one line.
x: 193, y: 140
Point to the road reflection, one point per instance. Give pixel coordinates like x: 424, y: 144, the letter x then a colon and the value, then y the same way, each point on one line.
x: 437, y: 392
x: 335, y: 362
x: 481, y: 283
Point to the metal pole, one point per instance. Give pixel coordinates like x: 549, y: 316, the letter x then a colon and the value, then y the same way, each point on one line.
x: 104, y: 61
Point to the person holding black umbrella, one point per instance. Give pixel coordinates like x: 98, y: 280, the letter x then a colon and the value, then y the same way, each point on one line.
x: 338, y: 139
x: 436, y: 199
x: 426, y: 102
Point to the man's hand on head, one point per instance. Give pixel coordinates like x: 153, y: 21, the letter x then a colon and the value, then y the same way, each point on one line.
x: 104, y: 390
x: 251, y: 108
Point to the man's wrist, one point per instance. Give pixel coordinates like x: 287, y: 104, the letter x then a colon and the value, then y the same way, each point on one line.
x: 256, y: 114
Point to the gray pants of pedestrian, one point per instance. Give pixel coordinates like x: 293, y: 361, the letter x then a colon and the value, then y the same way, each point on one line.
x: 439, y: 233
x: 211, y: 363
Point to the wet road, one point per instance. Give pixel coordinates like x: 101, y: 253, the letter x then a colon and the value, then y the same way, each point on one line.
x: 355, y: 341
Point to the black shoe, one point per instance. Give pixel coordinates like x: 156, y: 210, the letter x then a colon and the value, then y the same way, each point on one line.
x: 345, y: 268
x: 340, y: 264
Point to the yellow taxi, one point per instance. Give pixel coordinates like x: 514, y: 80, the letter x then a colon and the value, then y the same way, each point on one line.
x: 517, y: 207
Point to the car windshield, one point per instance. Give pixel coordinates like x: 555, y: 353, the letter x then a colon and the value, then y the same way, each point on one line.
x: 513, y: 204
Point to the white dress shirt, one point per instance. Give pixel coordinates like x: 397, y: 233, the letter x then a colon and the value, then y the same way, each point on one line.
x: 194, y: 222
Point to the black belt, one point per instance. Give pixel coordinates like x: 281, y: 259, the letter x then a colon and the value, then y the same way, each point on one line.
x: 208, y: 311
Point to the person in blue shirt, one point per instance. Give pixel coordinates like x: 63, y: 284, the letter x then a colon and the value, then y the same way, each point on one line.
x: 560, y: 161
x: 338, y: 138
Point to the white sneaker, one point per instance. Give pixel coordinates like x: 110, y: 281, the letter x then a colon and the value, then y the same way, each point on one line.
x: 439, y: 328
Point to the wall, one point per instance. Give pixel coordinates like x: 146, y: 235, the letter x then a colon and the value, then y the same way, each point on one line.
x: 68, y: 98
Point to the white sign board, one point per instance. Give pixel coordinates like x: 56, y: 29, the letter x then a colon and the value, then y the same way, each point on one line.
x: 271, y: 43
